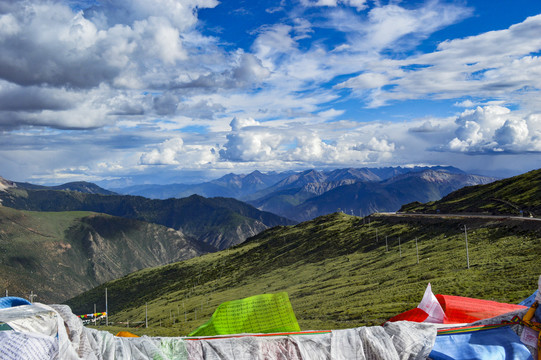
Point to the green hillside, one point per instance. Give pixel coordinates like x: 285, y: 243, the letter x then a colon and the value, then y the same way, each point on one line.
x: 509, y: 197
x: 58, y: 255
x: 337, y: 269
x: 216, y: 222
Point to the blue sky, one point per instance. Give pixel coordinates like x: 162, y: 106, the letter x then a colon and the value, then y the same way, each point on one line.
x: 129, y: 92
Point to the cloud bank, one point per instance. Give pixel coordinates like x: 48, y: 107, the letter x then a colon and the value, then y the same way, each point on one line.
x: 117, y: 89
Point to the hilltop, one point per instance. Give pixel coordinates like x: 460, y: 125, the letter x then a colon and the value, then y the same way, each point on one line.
x: 340, y: 271
x: 518, y: 195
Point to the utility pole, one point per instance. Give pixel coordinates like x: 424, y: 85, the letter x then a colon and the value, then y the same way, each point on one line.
x: 106, y: 310
x: 417, y: 248
x: 386, y: 246
x: 467, y: 252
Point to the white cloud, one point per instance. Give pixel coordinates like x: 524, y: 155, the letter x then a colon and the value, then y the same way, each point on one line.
x: 239, y: 123
x: 377, y: 145
x: 250, y: 70
x: 512, y: 132
x: 179, y: 13
x: 272, y: 43
x: 365, y: 81
x: 251, y: 146
x: 357, y: 4
x: 496, y: 129
x: 132, y: 73
x: 331, y: 113
x: 311, y: 148
x: 249, y: 141
x: 157, y: 36
x: 166, y: 154
x: 174, y: 152
x: 465, y: 104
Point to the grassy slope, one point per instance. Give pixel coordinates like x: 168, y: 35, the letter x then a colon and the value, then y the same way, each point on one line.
x: 335, y: 272
x: 507, y: 196
x: 26, y: 238
x: 218, y: 222
x: 60, y: 254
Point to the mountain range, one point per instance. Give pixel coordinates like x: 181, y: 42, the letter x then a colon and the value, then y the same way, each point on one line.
x: 305, y: 195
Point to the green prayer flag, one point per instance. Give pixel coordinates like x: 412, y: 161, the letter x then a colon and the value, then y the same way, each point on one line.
x: 266, y: 313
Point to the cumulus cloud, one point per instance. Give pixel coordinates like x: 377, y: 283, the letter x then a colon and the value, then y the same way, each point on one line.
x: 49, y: 43
x: 311, y: 148
x: 245, y: 71
x: 376, y: 145
x: 166, y: 154
x: 180, y: 13
x: 53, y: 46
x: 242, y: 122
x: 465, y: 104
x: 495, y: 129
x: 250, y: 70
x: 174, y: 152
x: 249, y: 141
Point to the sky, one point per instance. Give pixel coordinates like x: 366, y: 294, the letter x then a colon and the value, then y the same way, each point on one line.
x: 180, y: 91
